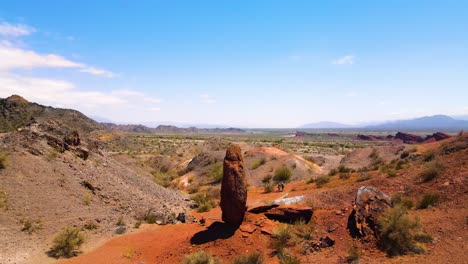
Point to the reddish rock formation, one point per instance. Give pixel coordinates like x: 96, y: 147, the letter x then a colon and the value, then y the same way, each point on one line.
x: 369, y: 204
x: 290, y: 214
x: 408, y: 138
x: 233, y: 187
x: 436, y: 137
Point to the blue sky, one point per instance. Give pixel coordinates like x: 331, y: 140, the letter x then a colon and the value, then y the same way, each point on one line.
x: 238, y: 63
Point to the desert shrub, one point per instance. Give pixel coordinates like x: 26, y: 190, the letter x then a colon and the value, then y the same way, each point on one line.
x: 423, y: 237
x: 400, y: 164
x: 322, y: 180
x: 343, y: 169
x: 162, y: 178
x: 120, y: 221
x: 374, y: 154
x: 289, y: 259
x: 405, y: 202
x: 138, y: 224
x: 88, y: 198
x: 333, y: 172
x: 30, y: 226
x: 428, y: 200
x: 3, y: 160
x: 267, y: 179
x: 282, y: 236
x: 310, y: 180
x: 353, y: 254
x: 303, y: 230
x: 268, y: 187
x: 200, y: 257
x: 90, y: 226
x: 428, y: 156
x: 3, y: 200
x: 252, y: 258
x: 391, y: 173
x: 216, y: 172
x: 344, y: 176
x: 67, y: 243
x: 364, y: 177
x: 204, y: 201
x: 430, y: 171
x: 258, y: 163
x: 397, y: 230
x: 193, y: 189
x: 282, y: 174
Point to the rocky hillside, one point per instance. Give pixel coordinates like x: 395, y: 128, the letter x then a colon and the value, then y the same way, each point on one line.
x: 16, y: 112
x: 164, y: 129
x: 52, y: 176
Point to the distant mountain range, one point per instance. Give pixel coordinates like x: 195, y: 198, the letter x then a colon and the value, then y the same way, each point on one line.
x: 426, y: 123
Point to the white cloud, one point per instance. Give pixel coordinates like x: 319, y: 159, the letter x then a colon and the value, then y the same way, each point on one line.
x: 16, y: 58
x: 7, y: 29
x: 207, y: 99
x: 97, y: 72
x: 348, y: 59
x: 61, y: 93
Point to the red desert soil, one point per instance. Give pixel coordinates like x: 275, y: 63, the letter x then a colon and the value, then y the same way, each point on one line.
x: 446, y: 223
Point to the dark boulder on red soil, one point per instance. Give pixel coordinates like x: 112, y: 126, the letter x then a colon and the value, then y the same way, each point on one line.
x: 290, y: 214
x: 233, y: 187
x: 369, y: 204
x: 408, y: 138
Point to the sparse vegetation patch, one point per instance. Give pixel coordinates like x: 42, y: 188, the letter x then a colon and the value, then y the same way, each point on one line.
x: 282, y: 174
x: 200, y: 257
x: 67, y: 243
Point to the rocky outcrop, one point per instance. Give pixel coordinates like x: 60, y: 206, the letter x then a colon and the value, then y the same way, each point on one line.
x: 369, y: 204
x: 72, y: 138
x: 233, y: 187
x: 436, y: 137
x: 408, y: 138
x: 290, y: 214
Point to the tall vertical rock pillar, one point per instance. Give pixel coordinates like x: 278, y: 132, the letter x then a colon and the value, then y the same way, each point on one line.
x: 233, y: 187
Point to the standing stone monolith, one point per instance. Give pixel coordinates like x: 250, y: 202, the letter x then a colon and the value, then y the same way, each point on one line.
x: 233, y: 187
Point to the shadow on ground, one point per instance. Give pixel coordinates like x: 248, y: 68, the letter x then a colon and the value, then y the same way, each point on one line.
x: 216, y: 230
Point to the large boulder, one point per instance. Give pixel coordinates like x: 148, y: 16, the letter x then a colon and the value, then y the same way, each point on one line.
x: 72, y: 138
x: 233, y: 187
x: 369, y: 204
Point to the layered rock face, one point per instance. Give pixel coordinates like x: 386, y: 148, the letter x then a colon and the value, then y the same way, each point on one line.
x: 233, y: 187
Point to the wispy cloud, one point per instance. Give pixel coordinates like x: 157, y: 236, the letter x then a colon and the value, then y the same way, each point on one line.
x: 351, y: 94
x: 348, y: 59
x: 207, y: 99
x: 7, y: 29
x: 12, y: 57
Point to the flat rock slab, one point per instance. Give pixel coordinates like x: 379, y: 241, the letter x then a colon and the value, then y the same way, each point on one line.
x: 262, y: 208
x: 248, y: 228
x: 290, y: 214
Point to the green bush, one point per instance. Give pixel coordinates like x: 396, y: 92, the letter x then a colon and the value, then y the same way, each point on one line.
x: 200, y: 257
x: 204, y: 201
x: 343, y: 169
x: 268, y: 187
x: 431, y: 170
x: 162, y: 178
x: 303, y: 230
x: 30, y: 226
x: 397, y: 230
x: 332, y: 172
x: 289, y: 259
x: 353, y: 254
x: 216, y: 172
x: 282, y: 236
x: 364, y: 177
x: 282, y: 174
x: 258, y: 163
x: 67, y: 243
x: 398, y: 199
x: 252, y: 258
x: 322, y: 180
x: 428, y: 200
x: 344, y: 175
